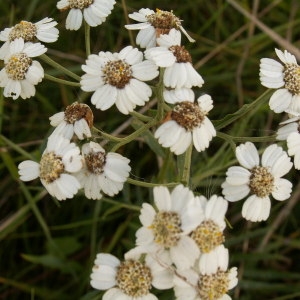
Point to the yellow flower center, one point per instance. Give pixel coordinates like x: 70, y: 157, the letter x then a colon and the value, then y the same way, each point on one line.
x: 292, y: 78
x: 25, y: 30
x: 17, y: 66
x: 80, y: 4
x: 261, y: 181
x: 51, y: 167
x: 95, y: 162
x: 181, y: 54
x: 134, y: 278
x: 78, y: 111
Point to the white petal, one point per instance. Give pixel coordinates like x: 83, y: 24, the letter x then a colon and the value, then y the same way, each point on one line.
x: 247, y: 155
x: 256, y: 209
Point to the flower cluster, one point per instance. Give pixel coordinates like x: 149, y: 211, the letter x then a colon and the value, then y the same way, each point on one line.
x: 180, y: 245
x: 64, y: 168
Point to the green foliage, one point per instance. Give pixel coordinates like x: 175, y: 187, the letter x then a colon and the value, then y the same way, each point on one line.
x: 47, y: 248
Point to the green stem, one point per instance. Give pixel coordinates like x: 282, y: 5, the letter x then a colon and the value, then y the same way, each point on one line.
x: 57, y: 66
x: 242, y: 139
x: 230, y: 118
x: 62, y: 81
x: 140, y: 117
x: 134, y: 135
x: 87, y: 37
x: 149, y: 184
x: 186, y: 171
x: 119, y: 204
x: 160, y: 95
x: 108, y: 136
x: 96, y: 214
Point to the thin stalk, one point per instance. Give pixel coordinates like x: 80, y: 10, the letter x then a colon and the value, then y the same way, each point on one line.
x: 149, y: 184
x: 186, y: 171
x: 62, y: 81
x: 87, y: 38
x: 57, y: 66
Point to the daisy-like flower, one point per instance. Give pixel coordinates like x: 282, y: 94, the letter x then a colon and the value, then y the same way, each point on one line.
x: 187, y: 123
x: 207, y: 286
x: 44, y: 31
x: 60, y: 160
x: 94, y: 12
x: 102, y: 172
x: 209, y: 234
x: 285, y: 77
x: 258, y: 180
x: 117, y: 78
x: 128, y: 279
x: 20, y: 73
x: 166, y: 227
x: 179, y: 72
x: 77, y: 118
x: 152, y: 24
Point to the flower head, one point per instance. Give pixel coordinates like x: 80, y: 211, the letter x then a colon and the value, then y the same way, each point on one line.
x: 117, y: 78
x: 166, y: 227
x: 153, y: 24
x: 285, y: 77
x: 187, y: 123
x: 21, y: 73
x: 43, y: 30
x: 260, y: 181
x: 77, y: 118
x: 59, y: 161
x: 94, y: 12
x: 102, y: 172
x: 208, y: 235
x: 128, y: 279
x: 179, y: 72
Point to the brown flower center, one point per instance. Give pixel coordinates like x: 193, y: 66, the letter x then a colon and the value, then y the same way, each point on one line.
x: 51, y: 167
x: 181, y: 54
x: 208, y: 236
x: 80, y: 4
x: 17, y: 66
x: 134, y: 278
x: 78, y: 111
x: 261, y: 181
x: 25, y: 30
x: 117, y: 73
x: 188, y: 115
x: 166, y: 228
x: 213, y: 287
x: 95, y: 162
x: 292, y: 78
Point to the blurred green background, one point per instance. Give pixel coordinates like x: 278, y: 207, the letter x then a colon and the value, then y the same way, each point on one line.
x: 48, y: 247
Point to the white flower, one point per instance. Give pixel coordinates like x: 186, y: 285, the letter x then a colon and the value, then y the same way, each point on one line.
x: 59, y: 160
x: 102, y: 172
x: 186, y: 124
x: 129, y: 279
x: 117, y: 78
x: 44, y: 31
x: 152, y: 24
x: 283, y: 77
x: 213, y: 286
x: 179, y: 72
x: 77, y: 118
x: 177, y: 95
x: 166, y: 227
x: 94, y: 12
x: 258, y: 180
x: 20, y: 73
x: 208, y: 235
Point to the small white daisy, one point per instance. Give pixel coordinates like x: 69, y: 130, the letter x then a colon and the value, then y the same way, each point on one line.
x: 58, y: 163
x: 20, y: 73
x: 207, y: 287
x: 102, y: 172
x: 117, y: 78
x: 187, y: 123
x: 77, y: 118
x: 285, y: 77
x: 177, y: 61
x: 152, y: 24
x: 258, y: 180
x: 129, y: 279
x: 166, y: 227
x: 209, y: 234
x: 94, y: 12
x: 44, y: 31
